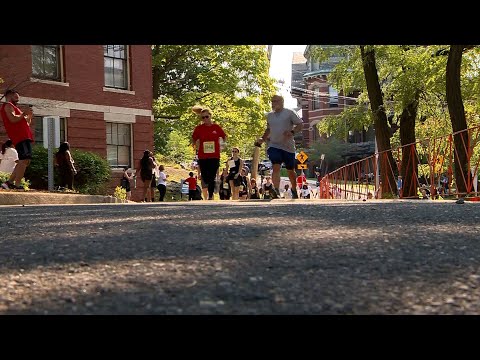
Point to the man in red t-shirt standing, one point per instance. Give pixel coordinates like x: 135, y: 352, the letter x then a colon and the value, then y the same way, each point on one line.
x: 206, y: 138
x: 301, y: 180
x: 17, y: 124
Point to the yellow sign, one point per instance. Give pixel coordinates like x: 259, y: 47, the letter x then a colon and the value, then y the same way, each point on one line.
x: 302, y: 157
x: 302, y: 166
x: 437, y: 164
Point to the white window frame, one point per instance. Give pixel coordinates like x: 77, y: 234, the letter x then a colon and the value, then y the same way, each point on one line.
x: 130, y: 147
x: 60, y: 65
x: 126, y: 60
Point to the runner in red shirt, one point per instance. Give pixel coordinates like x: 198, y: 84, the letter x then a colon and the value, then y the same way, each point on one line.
x: 206, y: 138
x: 17, y: 125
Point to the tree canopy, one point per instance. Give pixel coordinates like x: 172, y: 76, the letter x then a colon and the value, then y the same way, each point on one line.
x: 232, y: 80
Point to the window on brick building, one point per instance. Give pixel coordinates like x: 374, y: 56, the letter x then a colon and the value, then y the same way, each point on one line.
x: 116, y: 69
x: 118, y: 144
x: 316, y: 99
x: 332, y: 97
x: 46, y: 62
x: 39, y: 130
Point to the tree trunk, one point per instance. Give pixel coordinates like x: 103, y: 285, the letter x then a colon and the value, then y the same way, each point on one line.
x: 382, y: 131
x: 457, y: 117
x: 409, y: 168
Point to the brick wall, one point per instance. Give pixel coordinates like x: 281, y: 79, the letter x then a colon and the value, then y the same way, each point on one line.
x: 84, y: 73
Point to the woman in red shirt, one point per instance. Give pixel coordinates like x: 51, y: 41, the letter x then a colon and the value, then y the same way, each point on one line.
x: 206, y: 138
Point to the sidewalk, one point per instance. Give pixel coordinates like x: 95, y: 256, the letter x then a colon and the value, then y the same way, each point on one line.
x: 35, y: 197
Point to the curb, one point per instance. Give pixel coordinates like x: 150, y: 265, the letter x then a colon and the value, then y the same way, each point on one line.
x: 32, y: 197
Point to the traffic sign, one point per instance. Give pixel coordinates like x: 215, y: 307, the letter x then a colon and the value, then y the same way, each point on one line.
x: 302, y: 167
x: 302, y: 157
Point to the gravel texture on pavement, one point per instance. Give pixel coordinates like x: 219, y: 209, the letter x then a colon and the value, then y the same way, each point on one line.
x: 258, y: 257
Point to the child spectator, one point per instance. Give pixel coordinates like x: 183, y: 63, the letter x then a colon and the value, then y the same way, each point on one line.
x: 192, y: 186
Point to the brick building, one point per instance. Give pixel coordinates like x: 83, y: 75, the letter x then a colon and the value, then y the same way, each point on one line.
x: 102, y: 94
x: 319, y: 99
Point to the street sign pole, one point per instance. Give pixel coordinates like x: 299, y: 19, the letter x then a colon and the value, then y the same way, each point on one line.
x: 51, y: 145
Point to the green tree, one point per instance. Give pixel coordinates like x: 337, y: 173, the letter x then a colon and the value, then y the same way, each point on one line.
x: 333, y: 149
x: 382, y: 131
x: 232, y: 80
x: 457, y: 116
x: 178, y: 148
x: 413, y: 86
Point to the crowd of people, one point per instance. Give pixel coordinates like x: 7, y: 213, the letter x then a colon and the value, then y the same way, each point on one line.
x: 230, y: 180
x: 209, y: 140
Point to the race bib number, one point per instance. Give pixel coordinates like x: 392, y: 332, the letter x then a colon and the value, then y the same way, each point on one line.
x: 241, y: 187
x: 267, y: 192
x: 209, y: 147
x: 225, y: 186
x: 252, y: 191
x: 231, y: 163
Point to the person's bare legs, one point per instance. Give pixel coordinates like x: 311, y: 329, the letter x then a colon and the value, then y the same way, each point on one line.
x: 292, y: 175
x: 276, y: 176
x: 146, y: 190
x: 19, y: 171
x: 235, y: 190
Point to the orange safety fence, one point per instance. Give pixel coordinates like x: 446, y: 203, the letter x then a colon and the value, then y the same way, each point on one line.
x: 445, y: 166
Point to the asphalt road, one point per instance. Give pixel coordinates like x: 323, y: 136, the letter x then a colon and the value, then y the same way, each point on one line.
x: 277, y: 257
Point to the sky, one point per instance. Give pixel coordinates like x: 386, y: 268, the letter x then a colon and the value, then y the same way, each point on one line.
x: 281, y: 68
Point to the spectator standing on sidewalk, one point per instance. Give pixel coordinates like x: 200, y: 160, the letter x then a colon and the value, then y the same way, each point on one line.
x: 162, y: 182
x: 65, y: 165
x: 125, y: 182
x: 17, y: 125
x: 146, y: 168
x: 234, y: 165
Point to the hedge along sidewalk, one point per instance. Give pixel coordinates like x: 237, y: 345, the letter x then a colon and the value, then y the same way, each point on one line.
x: 32, y: 197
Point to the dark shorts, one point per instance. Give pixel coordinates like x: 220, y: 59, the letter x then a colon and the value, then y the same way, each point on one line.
x: 146, y: 175
x: 278, y: 156
x: 236, y: 181
x: 24, y: 149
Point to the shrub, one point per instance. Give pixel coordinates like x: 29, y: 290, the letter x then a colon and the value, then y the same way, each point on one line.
x: 120, y: 193
x: 93, y: 172
x: 5, y: 176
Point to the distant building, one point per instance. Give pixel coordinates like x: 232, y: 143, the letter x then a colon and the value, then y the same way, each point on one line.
x: 319, y: 99
x: 102, y: 94
x: 299, y: 68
